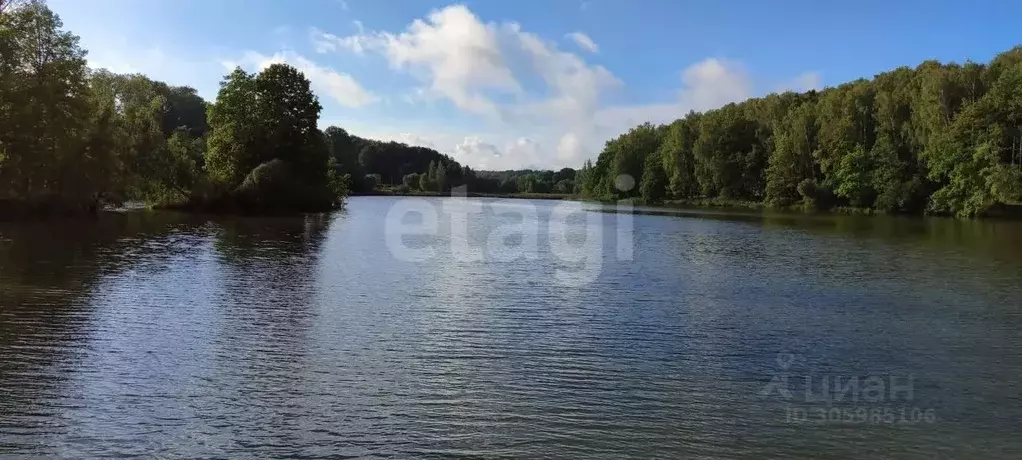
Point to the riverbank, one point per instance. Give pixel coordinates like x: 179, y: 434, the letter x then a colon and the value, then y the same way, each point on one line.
x: 233, y: 205
x: 523, y: 196
x: 46, y: 208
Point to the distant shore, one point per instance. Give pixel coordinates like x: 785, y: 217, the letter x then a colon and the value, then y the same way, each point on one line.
x: 523, y: 196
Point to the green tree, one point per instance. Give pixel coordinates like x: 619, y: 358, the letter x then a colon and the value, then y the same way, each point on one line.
x: 258, y: 119
x: 44, y: 111
x: 791, y: 162
x: 440, y: 177
x: 232, y: 146
x: 411, y: 180
x: 676, y: 151
x: 654, y: 179
x: 728, y: 155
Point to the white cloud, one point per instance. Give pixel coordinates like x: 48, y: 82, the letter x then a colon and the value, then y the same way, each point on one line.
x: 583, y: 41
x: 803, y: 82
x: 324, y: 42
x: 474, y: 151
x: 466, y: 61
x: 542, y: 106
x: 342, y: 87
x: 516, y: 154
x: 714, y: 82
x: 456, y: 54
x: 413, y: 139
x: 569, y: 148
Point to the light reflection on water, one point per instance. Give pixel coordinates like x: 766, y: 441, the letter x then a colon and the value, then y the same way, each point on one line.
x: 142, y: 334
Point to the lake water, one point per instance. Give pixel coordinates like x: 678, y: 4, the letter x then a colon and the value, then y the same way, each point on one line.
x: 535, y: 328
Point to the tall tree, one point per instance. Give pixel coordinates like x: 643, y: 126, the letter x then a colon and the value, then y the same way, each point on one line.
x: 44, y: 107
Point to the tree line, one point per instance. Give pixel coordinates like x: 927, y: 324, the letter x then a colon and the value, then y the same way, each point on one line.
x: 373, y: 164
x: 939, y: 138
x: 73, y: 138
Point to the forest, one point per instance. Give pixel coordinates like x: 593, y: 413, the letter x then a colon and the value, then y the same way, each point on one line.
x: 939, y: 139
x: 73, y: 139
x: 373, y: 164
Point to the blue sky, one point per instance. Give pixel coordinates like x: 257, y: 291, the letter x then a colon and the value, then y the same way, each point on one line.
x: 531, y: 83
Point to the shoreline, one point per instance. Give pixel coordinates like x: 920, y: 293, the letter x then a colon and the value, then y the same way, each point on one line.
x: 221, y: 208
x: 515, y: 196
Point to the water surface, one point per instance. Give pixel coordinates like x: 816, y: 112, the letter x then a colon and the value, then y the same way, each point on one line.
x: 181, y: 336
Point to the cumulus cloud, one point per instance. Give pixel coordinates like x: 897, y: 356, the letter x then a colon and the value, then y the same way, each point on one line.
x: 474, y: 151
x: 803, y: 82
x: 583, y: 41
x: 515, y: 154
x: 455, y: 54
x: 342, y: 87
x: 714, y: 82
x: 569, y: 148
x: 543, y: 106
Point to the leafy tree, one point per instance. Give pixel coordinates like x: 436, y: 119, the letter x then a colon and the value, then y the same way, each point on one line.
x: 232, y: 146
x: 44, y: 111
x: 676, y: 152
x: 727, y: 154
x: 258, y: 119
x: 628, y: 156
x: 411, y: 180
x: 564, y: 186
x: 791, y: 162
x: 564, y: 174
x: 440, y: 177
x: 654, y: 179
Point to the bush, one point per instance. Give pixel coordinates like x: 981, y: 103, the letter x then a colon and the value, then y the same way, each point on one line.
x: 372, y: 181
x: 410, y: 180
x: 814, y: 196
x: 273, y: 186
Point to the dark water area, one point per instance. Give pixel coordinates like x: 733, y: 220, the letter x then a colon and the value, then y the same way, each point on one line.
x: 699, y: 334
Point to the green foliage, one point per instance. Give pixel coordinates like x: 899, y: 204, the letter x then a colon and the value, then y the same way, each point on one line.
x: 45, y: 111
x: 270, y: 121
x: 813, y: 196
x: 70, y: 137
x: 411, y: 180
x: 279, y: 185
x: 627, y: 157
x: 729, y: 156
x: 564, y: 186
x: 235, y: 127
x: 425, y: 184
x: 654, y: 179
x: 946, y: 138
x: 268, y: 183
x: 371, y: 180
x: 791, y: 162
x: 678, y: 158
